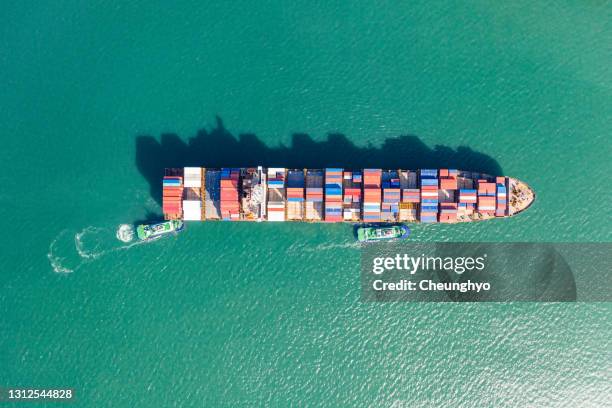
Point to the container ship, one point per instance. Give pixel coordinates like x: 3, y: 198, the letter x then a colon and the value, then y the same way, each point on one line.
x: 340, y: 195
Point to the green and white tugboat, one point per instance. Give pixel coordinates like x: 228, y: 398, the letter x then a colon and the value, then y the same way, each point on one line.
x: 382, y: 233
x: 146, y: 232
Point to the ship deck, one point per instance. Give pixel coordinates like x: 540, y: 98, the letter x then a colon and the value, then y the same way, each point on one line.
x: 277, y: 194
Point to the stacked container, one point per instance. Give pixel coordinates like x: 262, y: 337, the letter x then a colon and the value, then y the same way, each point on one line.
x: 429, y: 195
x: 192, y: 201
x: 276, y: 194
x: 467, y: 200
x: 502, y: 197
x: 295, y: 195
x: 467, y: 196
x: 230, y: 205
x: 448, y: 212
x: 391, y: 196
x: 314, y: 195
x: 411, y: 195
x: 333, y: 195
x: 371, y: 195
x: 172, y: 194
x: 193, y: 177
x: 352, y: 183
x: 486, y: 197
x: 448, y: 179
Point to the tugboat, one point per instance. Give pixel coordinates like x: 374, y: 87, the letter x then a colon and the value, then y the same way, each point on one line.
x: 146, y: 232
x: 382, y: 233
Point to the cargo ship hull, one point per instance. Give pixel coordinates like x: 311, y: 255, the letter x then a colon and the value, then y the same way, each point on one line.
x: 340, y: 195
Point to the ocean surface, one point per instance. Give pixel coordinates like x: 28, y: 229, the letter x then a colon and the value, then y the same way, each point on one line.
x: 97, y: 96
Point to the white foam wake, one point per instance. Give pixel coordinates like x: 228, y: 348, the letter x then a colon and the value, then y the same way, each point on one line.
x: 67, y: 255
x: 323, y: 247
x: 58, y: 263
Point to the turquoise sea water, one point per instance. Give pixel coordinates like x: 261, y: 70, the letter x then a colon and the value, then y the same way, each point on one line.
x: 96, y: 95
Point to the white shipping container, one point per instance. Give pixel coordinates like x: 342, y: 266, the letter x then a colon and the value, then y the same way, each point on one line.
x: 276, y: 216
x: 192, y: 171
x: 193, y: 176
x: 276, y: 205
x: 192, y: 210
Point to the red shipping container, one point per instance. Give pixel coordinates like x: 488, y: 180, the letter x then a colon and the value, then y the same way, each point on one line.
x: 229, y: 199
x: 448, y: 184
x: 229, y: 183
x: 486, y: 186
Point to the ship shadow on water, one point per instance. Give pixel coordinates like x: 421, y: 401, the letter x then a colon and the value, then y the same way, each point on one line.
x: 217, y: 147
